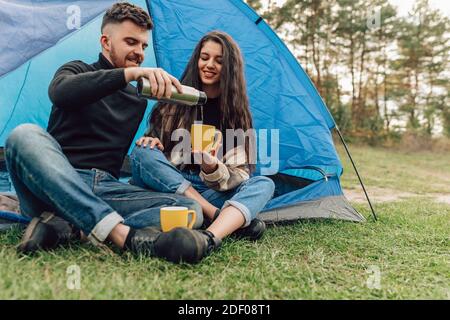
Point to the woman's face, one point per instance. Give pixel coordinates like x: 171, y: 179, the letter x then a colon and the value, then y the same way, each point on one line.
x: 210, y: 63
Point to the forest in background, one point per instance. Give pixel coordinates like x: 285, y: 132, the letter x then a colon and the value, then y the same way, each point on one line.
x: 384, y: 77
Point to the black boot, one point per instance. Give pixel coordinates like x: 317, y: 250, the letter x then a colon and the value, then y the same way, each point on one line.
x: 177, y: 245
x: 254, y: 231
x: 213, y: 242
x: 47, y: 232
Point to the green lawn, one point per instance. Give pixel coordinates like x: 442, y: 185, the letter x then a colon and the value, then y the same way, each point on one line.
x: 422, y: 173
x: 408, y: 248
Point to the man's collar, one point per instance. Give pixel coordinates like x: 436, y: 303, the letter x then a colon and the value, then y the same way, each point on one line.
x: 104, y: 63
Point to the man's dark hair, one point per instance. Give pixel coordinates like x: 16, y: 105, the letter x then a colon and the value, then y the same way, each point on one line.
x: 122, y: 11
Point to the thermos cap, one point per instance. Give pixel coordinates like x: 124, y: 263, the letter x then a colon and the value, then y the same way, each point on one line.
x: 140, y: 84
x: 202, y: 98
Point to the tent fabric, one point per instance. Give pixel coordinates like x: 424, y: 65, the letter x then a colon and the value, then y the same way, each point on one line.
x: 282, y: 96
x: 330, y: 207
x: 29, y: 27
x: 24, y: 97
x: 315, y: 190
x: 287, y: 110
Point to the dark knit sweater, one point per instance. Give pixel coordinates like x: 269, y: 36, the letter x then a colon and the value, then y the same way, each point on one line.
x: 95, y: 114
x: 212, y: 116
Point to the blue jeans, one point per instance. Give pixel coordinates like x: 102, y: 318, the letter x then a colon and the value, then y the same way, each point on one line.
x: 92, y: 200
x: 151, y: 169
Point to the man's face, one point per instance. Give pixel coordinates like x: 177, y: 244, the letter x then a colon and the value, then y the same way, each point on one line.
x: 124, y: 44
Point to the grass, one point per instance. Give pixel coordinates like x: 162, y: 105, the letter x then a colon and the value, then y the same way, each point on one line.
x: 420, y: 172
x: 409, y: 246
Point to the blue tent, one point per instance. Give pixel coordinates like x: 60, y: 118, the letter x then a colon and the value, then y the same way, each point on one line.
x: 293, y: 124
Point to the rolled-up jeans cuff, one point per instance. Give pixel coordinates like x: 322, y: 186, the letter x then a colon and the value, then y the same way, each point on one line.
x: 243, y: 209
x: 183, y: 187
x: 104, y: 228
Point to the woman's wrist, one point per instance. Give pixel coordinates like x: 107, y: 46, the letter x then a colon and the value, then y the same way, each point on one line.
x: 208, y: 169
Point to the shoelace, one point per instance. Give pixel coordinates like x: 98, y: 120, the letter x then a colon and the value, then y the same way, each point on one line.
x: 144, y: 244
x: 213, y: 241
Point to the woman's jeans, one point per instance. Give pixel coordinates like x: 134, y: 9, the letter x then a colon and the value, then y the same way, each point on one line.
x: 151, y: 169
x: 92, y: 200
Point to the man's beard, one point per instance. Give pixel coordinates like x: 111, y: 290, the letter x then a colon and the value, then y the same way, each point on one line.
x: 117, y: 63
x: 115, y: 60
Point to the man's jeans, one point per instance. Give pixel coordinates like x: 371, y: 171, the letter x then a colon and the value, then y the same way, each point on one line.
x: 92, y: 200
x: 151, y: 169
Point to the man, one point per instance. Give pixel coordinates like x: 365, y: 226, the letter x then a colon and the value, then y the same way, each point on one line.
x: 72, y: 169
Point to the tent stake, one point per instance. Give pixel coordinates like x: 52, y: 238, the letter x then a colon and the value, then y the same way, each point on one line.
x: 356, y: 170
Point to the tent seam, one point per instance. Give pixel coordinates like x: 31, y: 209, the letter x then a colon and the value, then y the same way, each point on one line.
x: 17, y: 100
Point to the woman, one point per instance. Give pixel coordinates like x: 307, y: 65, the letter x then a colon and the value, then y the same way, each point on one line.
x: 229, y: 197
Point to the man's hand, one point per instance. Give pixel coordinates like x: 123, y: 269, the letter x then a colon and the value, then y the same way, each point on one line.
x: 144, y: 141
x: 160, y: 81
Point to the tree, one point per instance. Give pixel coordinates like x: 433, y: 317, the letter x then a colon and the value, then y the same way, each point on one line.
x: 255, y: 4
x: 370, y: 76
x: 422, y: 66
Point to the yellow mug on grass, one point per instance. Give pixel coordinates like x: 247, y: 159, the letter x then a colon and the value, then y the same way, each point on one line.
x: 172, y: 217
x: 204, y: 137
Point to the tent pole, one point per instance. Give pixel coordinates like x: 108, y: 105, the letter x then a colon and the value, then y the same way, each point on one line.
x: 356, y: 170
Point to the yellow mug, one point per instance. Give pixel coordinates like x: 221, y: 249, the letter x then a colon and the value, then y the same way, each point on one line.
x: 172, y: 217
x: 204, y: 137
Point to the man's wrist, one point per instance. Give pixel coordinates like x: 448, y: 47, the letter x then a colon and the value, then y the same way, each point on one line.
x: 131, y: 74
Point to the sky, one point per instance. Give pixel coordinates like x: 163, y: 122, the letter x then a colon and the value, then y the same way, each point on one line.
x: 403, y: 5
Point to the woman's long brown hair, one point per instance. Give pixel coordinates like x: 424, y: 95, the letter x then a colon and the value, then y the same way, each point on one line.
x: 234, y: 106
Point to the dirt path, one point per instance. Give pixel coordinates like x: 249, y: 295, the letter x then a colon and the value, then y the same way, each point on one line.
x: 377, y: 194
